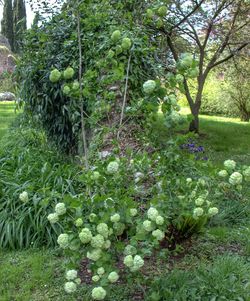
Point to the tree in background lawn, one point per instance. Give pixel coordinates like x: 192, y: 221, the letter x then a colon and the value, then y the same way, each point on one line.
x: 19, y: 22
x: 7, y: 22
x: 214, y: 31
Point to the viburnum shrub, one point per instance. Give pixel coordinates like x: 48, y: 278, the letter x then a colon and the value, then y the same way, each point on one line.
x: 129, y: 210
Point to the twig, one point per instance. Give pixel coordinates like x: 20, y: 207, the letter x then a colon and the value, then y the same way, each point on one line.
x: 85, y: 149
x: 125, y: 96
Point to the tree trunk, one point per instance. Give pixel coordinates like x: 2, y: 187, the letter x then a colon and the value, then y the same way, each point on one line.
x: 194, y: 124
x: 245, y: 117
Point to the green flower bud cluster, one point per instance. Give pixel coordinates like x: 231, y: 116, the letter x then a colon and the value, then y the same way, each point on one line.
x: 133, y: 263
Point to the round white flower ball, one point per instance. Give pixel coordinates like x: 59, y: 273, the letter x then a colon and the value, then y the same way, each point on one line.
x: 223, y: 173
x: 113, y: 167
x: 159, y: 220
x: 200, y: 201
x: 235, y: 178
x: 113, y: 277
x: 107, y: 244
x: 158, y: 234
x: 130, y: 250
x: 97, y: 241
x: 94, y: 255
x: 103, y: 229
x: 213, y: 211
x: 147, y: 225
x: 24, y: 197
x: 79, y: 222
x: 71, y: 275
x: 99, y: 293
x: 230, y: 165
x: 100, y: 271
x: 133, y: 212
x: 95, y: 176
x: 149, y: 86
x: 138, y: 262
x: 53, y: 218
x: 246, y: 172
x: 152, y: 213
x: 60, y: 208
x: 115, y: 218
x: 128, y: 261
x: 70, y: 287
x: 95, y: 278
x: 63, y: 240
x: 198, y: 212
x: 85, y: 235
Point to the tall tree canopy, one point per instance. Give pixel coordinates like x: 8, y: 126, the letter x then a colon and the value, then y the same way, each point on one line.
x: 7, y: 22
x: 213, y: 30
x: 19, y: 22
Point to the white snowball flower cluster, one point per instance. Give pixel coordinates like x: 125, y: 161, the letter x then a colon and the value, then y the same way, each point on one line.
x: 60, y: 209
x: 71, y: 275
x: 107, y: 244
x: 24, y: 197
x: 85, y: 235
x: 148, y: 226
x: 97, y: 241
x: 130, y: 250
x: 70, y: 287
x: 159, y: 220
x: 98, y: 293
x: 95, y: 278
x: 115, y: 218
x: 119, y: 228
x: 103, y: 229
x: 189, y: 180
x: 213, y: 211
x: 100, y: 271
x: 149, y: 86
x: 92, y: 217
x: 63, y: 240
x: 95, y: 176
x: 198, y: 212
x: 235, y: 178
x: 79, y: 222
x: 134, y: 264
x: 230, y: 165
x: 53, y: 218
x: 133, y: 212
x: 223, y: 173
x: 152, y: 213
x: 94, y: 254
x: 158, y: 234
x: 113, y: 167
x: 199, y: 202
x: 113, y: 277
x: 246, y: 173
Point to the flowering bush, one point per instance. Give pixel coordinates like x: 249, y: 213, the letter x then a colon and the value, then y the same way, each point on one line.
x: 111, y: 225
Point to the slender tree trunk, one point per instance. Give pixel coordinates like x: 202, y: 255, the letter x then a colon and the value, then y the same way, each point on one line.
x: 194, y: 125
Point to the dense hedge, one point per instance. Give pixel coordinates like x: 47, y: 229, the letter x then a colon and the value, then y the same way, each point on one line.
x: 54, y: 44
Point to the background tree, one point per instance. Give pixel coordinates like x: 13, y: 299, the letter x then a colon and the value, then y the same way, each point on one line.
x: 213, y: 30
x: 19, y: 22
x: 7, y: 22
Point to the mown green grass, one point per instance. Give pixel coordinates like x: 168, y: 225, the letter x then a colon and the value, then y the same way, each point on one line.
x: 223, y: 138
x: 7, y: 115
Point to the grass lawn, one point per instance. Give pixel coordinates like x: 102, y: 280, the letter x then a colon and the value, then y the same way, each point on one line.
x: 7, y: 115
x: 214, y: 266
x: 223, y: 138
